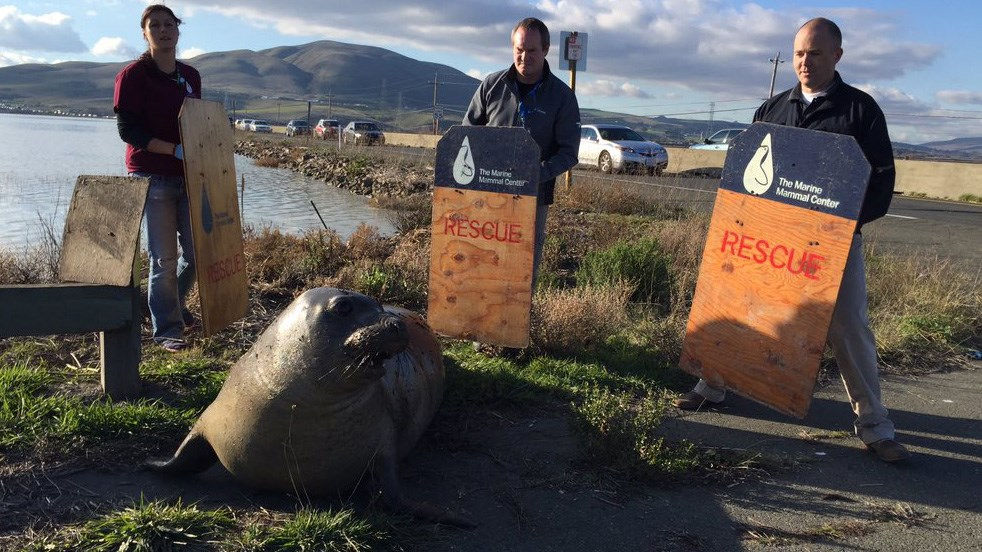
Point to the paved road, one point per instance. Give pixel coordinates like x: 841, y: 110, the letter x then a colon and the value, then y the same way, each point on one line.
x: 944, y: 229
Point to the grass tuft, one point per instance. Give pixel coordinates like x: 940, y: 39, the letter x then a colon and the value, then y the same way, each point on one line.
x: 327, y: 531
x: 149, y: 526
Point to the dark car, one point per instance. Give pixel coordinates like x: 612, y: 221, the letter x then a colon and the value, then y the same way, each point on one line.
x: 364, y: 133
x: 297, y: 127
x: 327, y: 129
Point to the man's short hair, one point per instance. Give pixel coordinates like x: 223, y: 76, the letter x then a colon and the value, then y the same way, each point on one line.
x: 531, y: 23
x: 829, y: 26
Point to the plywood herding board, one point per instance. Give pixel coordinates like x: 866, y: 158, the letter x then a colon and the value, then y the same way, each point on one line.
x: 102, y: 230
x: 209, y: 169
x: 758, y: 322
x: 481, y: 265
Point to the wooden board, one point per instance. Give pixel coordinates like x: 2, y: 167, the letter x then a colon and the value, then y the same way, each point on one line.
x: 209, y: 169
x: 777, y: 245
x: 483, y: 235
x: 102, y: 230
x: 481, y: 266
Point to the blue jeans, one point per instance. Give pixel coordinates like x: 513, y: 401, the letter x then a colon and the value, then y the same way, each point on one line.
x: 166, y: 217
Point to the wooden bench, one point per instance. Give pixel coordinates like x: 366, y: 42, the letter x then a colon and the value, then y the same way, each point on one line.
x: 100, y: 290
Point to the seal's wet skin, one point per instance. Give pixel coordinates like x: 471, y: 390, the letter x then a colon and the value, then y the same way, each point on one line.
x: 336, y: 388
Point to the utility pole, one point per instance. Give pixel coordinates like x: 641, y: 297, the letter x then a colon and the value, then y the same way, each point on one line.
x: 712, y: 110
x: 775, y: 60
x: 436, y: 122
x: 330, y: 103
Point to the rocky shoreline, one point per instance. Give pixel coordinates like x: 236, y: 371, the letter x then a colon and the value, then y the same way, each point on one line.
x: 359, y: 174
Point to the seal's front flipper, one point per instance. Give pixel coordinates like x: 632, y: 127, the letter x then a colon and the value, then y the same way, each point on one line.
x: 195, y: 455
x: 394, y: 501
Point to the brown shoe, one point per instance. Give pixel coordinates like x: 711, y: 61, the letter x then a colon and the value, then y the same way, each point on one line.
x: 694, y: 401
x: 888, y: 450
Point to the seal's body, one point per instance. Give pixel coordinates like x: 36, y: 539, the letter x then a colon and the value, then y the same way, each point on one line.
x: 336, y: 389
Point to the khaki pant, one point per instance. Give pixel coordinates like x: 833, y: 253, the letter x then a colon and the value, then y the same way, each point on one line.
x: 855, y: 352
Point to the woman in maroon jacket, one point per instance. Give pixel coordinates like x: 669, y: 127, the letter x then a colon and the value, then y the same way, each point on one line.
x: 147, y: 100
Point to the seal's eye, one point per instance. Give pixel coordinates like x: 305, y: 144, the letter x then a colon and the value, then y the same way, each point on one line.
x: 341, y: 307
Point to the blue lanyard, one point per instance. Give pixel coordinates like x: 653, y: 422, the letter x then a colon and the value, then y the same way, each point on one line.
x: 525, y: 110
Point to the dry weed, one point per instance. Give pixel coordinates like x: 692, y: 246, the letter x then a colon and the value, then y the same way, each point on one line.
x: 921, y: 310
x: 268, y: 161
x: 367, y: 243
x: 579, y: 318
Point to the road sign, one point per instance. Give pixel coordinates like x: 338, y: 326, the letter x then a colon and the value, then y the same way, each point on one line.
x: 209, y: 174
x: 483, y: 234
x: 777, y: 245
x: 572, y: 50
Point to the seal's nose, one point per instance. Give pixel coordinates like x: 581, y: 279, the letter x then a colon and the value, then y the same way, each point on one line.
x: 387, y: 337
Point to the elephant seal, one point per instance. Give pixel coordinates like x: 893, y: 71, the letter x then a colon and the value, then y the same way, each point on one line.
x: 338, y: 389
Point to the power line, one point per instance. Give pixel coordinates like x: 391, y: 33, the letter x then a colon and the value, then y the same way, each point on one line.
x: 925, y: 116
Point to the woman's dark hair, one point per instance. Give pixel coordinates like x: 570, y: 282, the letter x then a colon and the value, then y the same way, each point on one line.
x: 157, y: 7
x: 145, y: 56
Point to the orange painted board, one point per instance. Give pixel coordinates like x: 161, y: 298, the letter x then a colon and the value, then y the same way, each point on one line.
x: 480, y: 285
x: 209, y: 169
x: 767, y: 287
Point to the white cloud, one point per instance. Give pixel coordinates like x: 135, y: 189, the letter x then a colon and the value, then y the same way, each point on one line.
x: 476, y: 73
x: 959, y: 97
x: 91, y: 13
x: 191, y: 52
x: 113, y: 46
x: 709, y: 45
x: 14, y: 58
x: 48, y: 32
x: 894, y: 100
x: 610, y: 89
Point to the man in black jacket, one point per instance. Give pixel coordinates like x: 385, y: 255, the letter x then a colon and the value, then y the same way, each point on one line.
x: 821, y: 101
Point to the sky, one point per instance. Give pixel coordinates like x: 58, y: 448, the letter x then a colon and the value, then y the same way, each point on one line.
x: 681, y: 58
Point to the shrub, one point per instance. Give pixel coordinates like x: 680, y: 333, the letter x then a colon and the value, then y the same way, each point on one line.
x: 642, y: 264
x: 619, y: 431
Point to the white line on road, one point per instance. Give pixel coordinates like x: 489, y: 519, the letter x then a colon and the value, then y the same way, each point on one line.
x: 902, y: 216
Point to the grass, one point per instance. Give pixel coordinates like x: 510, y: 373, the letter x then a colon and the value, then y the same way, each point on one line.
x: 160, y: 526
x: 970, y: 198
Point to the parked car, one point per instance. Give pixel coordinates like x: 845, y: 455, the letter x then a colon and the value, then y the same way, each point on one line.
x: 363, y: 133
x: 327, y: 129
x: 297, y: 127
x: 242, y: 124
x: 719, y: 140
x: 259, y: 125
x: 613, y: 148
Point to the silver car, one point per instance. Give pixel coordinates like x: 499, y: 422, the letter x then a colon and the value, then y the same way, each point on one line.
x: 719, y: 141
x: 363, y: 133
x: 259, y: 125
x: 613, y: 148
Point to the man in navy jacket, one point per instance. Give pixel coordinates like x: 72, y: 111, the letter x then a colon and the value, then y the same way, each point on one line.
x: 821, y: 101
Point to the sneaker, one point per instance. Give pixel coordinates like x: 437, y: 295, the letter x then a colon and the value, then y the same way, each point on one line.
x: 888, y: 450
x: 694, y: 401
x: 173, y: 345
